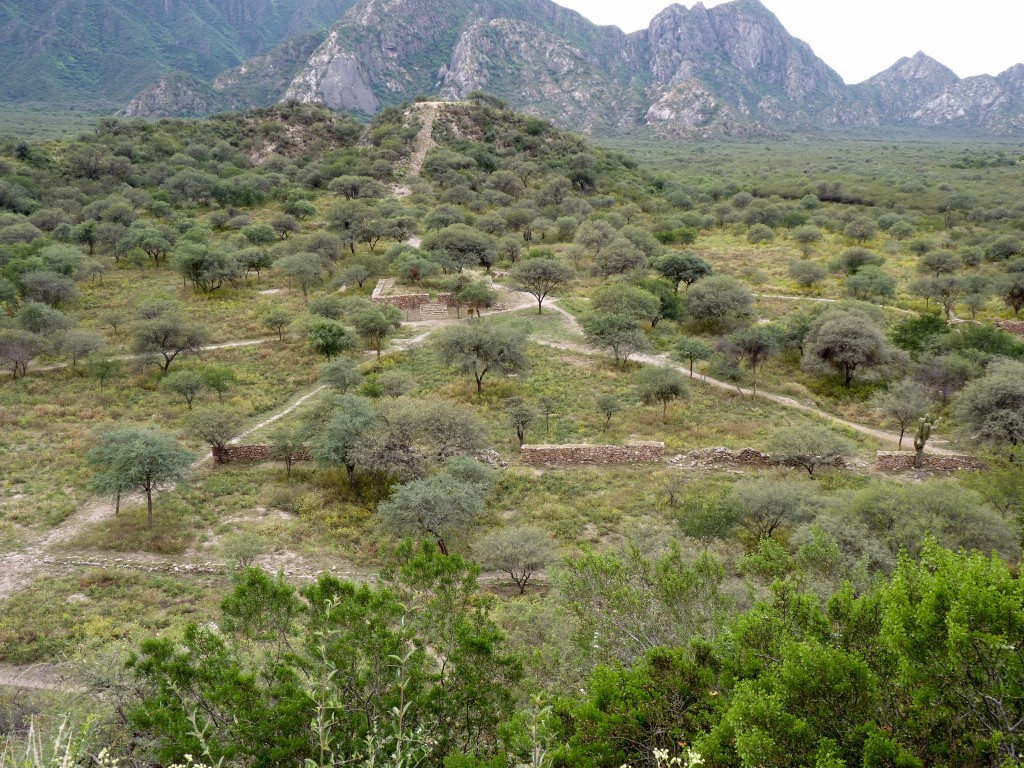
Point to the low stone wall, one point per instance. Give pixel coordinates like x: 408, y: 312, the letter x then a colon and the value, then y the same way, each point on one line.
x: 723, y: 457
x: 404, y: 301
x: 1015, y: 327
x: 253, y: 454
x: 903, y: 461
x: 594, y: 455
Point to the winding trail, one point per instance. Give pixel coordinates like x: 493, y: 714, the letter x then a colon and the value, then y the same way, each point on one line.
x: 208, y: 348
x: 664, y: 361
x: 820, y: 300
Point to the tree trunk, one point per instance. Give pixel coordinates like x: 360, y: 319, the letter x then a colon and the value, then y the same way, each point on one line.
x: 149, y: 507
x: 540, y: 306
x: 117, y: 504
x: 441, y: 545
x: 902, y: 431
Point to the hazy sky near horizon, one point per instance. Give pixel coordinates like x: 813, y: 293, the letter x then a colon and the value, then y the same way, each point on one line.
x: 861, y: 38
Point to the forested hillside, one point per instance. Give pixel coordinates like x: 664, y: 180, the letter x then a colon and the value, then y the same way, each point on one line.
x: 98, y: 55
x: 274, y: 385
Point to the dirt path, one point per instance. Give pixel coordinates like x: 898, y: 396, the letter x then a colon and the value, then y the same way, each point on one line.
x: 826, y: 301
x: 35, y: 677
x: 425, y: 140
x: 18, y: 569
x: 209, y: 348
x: 789, y: 402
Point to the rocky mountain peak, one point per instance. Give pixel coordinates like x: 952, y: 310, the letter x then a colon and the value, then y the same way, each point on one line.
x: 732, y: 68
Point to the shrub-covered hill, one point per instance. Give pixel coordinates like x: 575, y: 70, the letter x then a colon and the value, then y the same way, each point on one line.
x: 167, y: 285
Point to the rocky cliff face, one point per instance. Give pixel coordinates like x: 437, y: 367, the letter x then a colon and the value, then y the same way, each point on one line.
x: 735, y: 65
x: 731, y: 69
x: 901, y: 90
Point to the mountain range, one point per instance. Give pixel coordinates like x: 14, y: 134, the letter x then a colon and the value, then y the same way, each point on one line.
x: 732, y: 69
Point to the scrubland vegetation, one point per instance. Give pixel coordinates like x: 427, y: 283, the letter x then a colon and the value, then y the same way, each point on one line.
x: 415, y: 595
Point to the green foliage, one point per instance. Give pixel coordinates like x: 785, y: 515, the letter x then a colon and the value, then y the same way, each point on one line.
x: 133, y: 458
x: 992, y: 407
x: 347, y: 644
x: 626, y: 605
x: 716, y: 301
x: 481, y: 348
x: 847, y: 341
x: 808, y: 447
x: 657, y: 384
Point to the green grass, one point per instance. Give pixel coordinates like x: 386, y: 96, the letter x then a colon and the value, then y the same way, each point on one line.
x: 59, y: 616
x: 49, y: 419
x: 44, y: 124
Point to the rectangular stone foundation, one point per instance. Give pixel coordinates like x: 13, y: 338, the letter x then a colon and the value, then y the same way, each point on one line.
x: 593, y: 455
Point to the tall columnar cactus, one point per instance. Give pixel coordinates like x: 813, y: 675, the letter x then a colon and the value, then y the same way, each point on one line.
x: 925, y: 426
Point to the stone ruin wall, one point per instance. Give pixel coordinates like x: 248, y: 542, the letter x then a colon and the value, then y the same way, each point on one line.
x: 593, y: 455
x: 1015, y: 327
x: 641, y: 453
x: 903, y: 461
x: 407, y: 301
x: 253, y: 454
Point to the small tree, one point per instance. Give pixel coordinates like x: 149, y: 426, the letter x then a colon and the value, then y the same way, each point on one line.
x: 477, y: 295
x: 846, y: 341
x: 809, y: 447
x: 806, y: 236
x: 167, y: 335
x: 341, y: 374
x: 608, y: 405
x: 807, y: 274
x: 79, y: 343
x: 617, y: 333
x: 520, y: 417
x: 482, y: 348
x: 765, y: 505
x: 716, y: 301
x: 17, y: 348
x: 690, y: 350
x: 539, y: 277
x: 682, y: 267
x: 925, y: 425
x: 102, y: 367
x: 115, y: 318
x: 438, y: 506
x: 520, y: 552
x: 277, y: 319
x: 133, y: 457
x: 628, y: 301
x: 186, y: 383
x: 992, y: 407
x: 219, y: 378
x: 302, y: 269
x: 754, y: 346
x: 656, y: 384
x: 904, y: 402
x: 546, y: 406
x: 285, y: 443
x: 328, y: 337
x: 375, y: 323
x: 217, y: 425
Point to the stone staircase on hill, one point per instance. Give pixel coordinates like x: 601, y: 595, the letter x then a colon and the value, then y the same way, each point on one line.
x: 433, y: 310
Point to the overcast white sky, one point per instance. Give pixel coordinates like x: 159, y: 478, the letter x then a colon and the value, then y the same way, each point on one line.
x: 859, y: 38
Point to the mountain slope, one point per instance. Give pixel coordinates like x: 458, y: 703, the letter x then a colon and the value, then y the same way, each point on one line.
x: 731, y: 69
x: 100, y: 53
x: 736, y: 64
